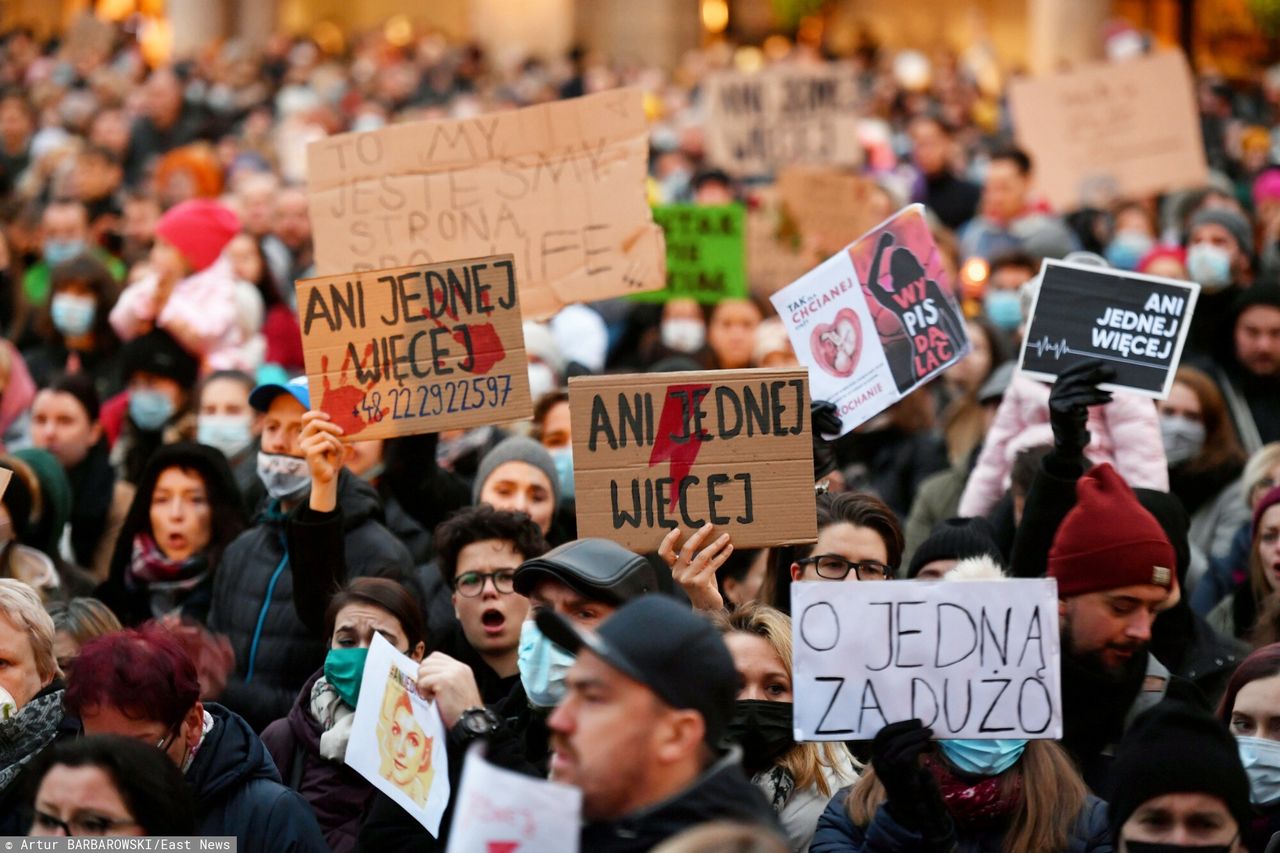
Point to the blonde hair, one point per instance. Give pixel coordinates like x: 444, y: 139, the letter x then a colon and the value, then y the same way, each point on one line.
x: 723, y: 836
x: 1263, y: 460
x: 21, y: 605
x: 804, y: 761
x: 1052, y: 796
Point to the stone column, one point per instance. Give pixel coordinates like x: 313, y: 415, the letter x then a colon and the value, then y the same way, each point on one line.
x: 196, y: 24
x: 1063, y: 33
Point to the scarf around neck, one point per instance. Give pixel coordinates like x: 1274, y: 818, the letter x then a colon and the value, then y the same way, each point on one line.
x: 166, y: 581
x: 976, y: 802
x: 26, y: 733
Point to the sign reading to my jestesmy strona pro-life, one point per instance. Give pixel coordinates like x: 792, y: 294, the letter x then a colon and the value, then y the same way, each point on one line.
x: 1137, y: 324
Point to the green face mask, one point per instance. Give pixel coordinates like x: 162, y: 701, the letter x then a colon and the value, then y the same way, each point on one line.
x: 343, y: 669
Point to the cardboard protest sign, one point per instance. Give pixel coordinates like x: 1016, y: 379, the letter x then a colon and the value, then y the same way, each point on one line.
x: 500, y: 811
x: 875, y: 321
x: 705, y: 253
x: 5, y: 476
x: 561, y: 186
x: 660, y: 450
x: 829, y: 206
x: 775, y: 253
x: 416, y: 349
x: 972, y: 659
x: 760, y: 121
x: 397, y: 738
x: 1111, y: 130
x: 1136, y: 323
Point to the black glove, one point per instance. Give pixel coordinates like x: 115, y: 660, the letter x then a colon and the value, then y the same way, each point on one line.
x: 824, y: 419
x: 913, y: 797
x: 1073, y: 393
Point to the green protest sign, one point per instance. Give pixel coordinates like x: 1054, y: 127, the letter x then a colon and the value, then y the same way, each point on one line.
x: 705, y: 256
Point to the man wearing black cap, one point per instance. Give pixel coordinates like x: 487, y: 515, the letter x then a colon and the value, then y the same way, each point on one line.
x: 639, y: 729
x: 1179, y: 784
x: 159, y: 375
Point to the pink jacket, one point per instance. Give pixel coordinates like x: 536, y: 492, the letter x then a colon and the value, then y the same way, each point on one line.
x: 204, y: 306
x: 1125, y: 432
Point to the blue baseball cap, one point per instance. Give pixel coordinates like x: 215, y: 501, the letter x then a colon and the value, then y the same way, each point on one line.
x: 260, y: 398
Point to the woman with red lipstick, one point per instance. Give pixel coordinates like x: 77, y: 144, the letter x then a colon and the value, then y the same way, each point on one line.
x: 1252, y: 612
x: 186, y: 511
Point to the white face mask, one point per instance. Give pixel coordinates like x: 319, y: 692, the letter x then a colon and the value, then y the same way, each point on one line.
x: 1261, y: 759
x: 227, y: 433
x: 1183, y: 438
x: 285, y: 477
x: 683, y: 334
x: 541, y: 380
x: 1209, y: 265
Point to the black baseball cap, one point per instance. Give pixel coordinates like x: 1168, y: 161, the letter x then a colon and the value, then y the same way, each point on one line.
x: 596, y: 568
x: 666, y: 647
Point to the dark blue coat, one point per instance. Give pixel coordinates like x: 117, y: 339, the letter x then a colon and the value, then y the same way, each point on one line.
x: 238, y: 792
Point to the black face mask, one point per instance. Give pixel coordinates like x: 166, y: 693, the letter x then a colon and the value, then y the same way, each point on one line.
x: 763, y: 730
x: 1161, y: 847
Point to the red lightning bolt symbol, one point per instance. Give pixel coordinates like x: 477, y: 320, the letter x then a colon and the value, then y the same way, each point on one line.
x: 672, y: 423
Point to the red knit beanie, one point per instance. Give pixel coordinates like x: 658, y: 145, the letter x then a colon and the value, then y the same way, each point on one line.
x: 200, y: 229
x: 1109, y: 541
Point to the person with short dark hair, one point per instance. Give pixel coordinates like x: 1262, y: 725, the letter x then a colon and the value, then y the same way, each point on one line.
x: 159, y: 376
x: 1009, y: 218
x: 75, y: 333
x: 952, y: 198
x: 141, y: 683
x: 109, y: 785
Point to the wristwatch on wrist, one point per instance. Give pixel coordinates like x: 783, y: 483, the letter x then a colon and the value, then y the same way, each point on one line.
x: 478, y: 722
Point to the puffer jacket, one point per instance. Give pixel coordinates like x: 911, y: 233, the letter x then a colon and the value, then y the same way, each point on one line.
x: 203, y: 305
x: 339, y: 796
x: 253, y: 600
x: 837, y: 833
x: 238, y: 792
x: 1125, y: 432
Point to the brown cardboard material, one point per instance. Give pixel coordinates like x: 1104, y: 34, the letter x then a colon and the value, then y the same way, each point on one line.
x: 416, y: 349
x: 1118, y: 129
x: 561, y: 186
x: 829, y: 206
x: 758, y: 122
x: 626, y: 432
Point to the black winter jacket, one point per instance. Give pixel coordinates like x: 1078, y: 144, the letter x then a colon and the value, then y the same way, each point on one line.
x: 238, y: 792
x: 253, y: 601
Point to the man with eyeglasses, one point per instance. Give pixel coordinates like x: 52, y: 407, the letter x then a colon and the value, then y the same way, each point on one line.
x: 141, y: 684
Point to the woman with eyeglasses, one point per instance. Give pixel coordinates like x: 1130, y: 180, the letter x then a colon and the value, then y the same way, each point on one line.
x: 308, y: 746
x: 109, y: 785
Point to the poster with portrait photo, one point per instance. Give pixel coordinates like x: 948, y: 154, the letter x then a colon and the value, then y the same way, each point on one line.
x: 876, y: 320
x: 397, y: 738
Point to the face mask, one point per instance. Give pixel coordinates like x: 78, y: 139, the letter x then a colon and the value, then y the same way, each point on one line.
x: 1127, y: 249
x: 764, y: 731
x: 283, y: 476
x: 8, y: 707
x: 72, y: 315
x: 57, y: 251
x: 1261, y: 759
x: 1161, y: 847
x: 344, y: 669
x: 541, y: 380
x: 982, y: 757
x: 227, y: 433
x: 1183, y: 438
x: 1210, y: 266
x: 149, y: 409
x: 542, y: 665
x: 1004, y: 309
x: 675, y: 186
x: 683, y: 335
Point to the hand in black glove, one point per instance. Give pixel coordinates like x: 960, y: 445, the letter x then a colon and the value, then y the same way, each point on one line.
x: 825, y: 421
x: 1069, y: 401
x: 913, y: 797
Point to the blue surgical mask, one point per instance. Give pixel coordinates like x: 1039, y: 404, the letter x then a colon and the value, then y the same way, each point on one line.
x: 73, y: 315
x: 150, y: 409
x: 344, y: 670
x: 543, y: 666
x: 284, y: 477
x: 57, y: 251
x: 1127, y: 248
x: 1004, y: 309
x: 1210, y: 266
x: 227, y: 433
x: 563, y: 457
x: 982, y: 757
x: 1261, y: 759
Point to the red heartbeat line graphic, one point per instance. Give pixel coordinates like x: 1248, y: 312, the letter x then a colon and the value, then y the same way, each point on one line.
x: 503, y: 846
x: 675, y: 422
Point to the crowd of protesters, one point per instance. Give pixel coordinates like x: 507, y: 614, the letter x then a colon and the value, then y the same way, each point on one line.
x: 193, y: 563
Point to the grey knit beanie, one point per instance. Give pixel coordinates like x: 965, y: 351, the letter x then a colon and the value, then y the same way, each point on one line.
x: 1230, y: 220
x: 517, y: 448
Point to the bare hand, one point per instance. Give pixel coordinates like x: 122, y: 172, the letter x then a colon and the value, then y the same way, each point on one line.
x: 450, y: 684
x: 320, y: 442
x: 694, y: 569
